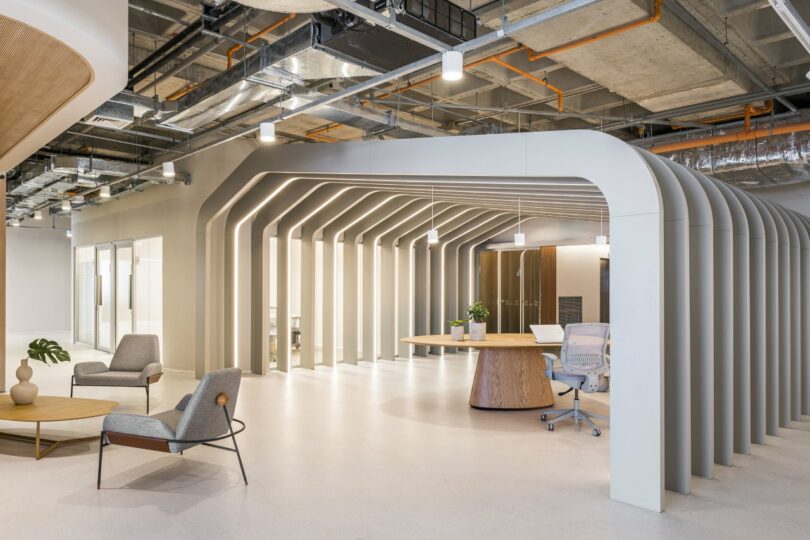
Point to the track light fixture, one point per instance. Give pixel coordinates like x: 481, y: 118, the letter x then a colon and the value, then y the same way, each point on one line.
x: 267, y: 132
x: 452, y: 65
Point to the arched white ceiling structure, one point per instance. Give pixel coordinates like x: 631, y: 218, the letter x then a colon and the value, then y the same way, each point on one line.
x: 698, y: 372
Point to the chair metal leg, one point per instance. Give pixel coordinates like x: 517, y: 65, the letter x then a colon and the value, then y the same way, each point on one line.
x: 100, y: 455
x: 235, y: 446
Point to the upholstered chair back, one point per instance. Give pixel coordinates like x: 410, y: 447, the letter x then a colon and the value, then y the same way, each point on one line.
x: 203, y: 417
x: 135, y: 351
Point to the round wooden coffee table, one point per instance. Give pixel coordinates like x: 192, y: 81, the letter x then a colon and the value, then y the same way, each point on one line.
x: 51, y: 409
x: 511, y: 370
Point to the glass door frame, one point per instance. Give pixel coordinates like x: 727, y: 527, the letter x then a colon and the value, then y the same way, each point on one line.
x: 118, y: 244
x: 99, y: 284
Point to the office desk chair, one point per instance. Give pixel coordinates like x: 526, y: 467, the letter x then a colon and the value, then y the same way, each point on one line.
x: 585, y: 363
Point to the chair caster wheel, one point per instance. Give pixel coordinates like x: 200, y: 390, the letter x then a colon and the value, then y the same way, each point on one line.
x: 551, y: 427
x: 596, y: 432
x: 543, y: 417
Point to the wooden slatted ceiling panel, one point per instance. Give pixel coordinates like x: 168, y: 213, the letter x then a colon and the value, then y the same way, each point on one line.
x: 38, y: 75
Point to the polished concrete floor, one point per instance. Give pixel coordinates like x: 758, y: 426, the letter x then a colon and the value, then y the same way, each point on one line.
x: 390, y: 450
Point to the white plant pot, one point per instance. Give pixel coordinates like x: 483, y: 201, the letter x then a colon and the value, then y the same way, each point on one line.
x: 457, y: 333
x: 478, y: 331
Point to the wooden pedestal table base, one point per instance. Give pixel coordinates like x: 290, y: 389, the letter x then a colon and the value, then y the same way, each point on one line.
x: 51, y: 409
x: 510, y: 373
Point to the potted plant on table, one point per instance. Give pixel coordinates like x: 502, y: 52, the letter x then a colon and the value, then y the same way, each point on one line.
x: 44, y: 350
x: 478, y: 313
x: 457, y: 329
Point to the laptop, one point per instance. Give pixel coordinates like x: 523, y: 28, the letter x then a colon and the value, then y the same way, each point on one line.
x: 547, y: 333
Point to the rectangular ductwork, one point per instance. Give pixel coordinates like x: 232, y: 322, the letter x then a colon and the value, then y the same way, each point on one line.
x: 332, y: 45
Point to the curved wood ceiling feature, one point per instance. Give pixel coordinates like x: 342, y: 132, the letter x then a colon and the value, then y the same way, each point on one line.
x: 38, y: 76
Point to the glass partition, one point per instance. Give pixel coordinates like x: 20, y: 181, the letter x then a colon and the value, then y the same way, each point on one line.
x: 85, y: 297
x: 148, y: 287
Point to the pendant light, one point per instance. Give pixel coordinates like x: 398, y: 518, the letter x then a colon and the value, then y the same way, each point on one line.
x: 38, y: 214
x: 267, y: 132
x: 69, y: 234
x: 168, y: 169
x: 601, y: 240
x: 520, y: 238
x: 104, y: 192
x: 66, y: 207
x: 15, y: 222
x: 452, y: 65
x: 433, y: 233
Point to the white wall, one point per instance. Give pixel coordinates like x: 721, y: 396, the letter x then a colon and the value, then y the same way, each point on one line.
x: 170, y: 212
x: 37, y: 280
x: 578, y: 275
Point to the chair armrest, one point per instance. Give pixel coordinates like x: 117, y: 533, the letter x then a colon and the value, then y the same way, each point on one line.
x: 183, y: 403
x: 550, y: 359
x: 154, y: 368
x: 134, y: 424
x: 89, y: 368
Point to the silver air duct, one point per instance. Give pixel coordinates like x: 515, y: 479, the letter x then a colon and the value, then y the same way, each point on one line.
x: 773, y: 161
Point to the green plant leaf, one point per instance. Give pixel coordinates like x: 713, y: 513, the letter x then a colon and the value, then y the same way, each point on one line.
x: 45, y: 350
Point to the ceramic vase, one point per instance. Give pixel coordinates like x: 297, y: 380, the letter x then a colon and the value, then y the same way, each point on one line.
x: 478, y: 331
x: 457, y: 333
x: 25, y: 391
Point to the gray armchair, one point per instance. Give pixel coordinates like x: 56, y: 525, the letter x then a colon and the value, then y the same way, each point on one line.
x: 585, y: 364
x: 201, y: 418
x: 135, y: 364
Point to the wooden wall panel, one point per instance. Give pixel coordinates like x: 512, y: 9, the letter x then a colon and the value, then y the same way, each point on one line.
x: 488, y: 287
x: 548, y: 285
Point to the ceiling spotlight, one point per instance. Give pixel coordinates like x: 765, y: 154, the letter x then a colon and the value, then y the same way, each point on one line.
x: 267, y: 132
x: 104, y: 192
x: 15, y: 222
x: 452, y: 65
x: 433, y: 236
x: 66, y: 206
x: 69, y: 234
x: 168, y: 169
x: 37, y: 214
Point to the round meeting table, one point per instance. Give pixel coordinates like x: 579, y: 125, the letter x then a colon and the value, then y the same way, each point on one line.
x: 511, y: 370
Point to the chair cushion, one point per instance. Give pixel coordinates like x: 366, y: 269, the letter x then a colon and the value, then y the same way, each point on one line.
x: 135, y: 424
x: 571, y: 379
x: 110, y: 378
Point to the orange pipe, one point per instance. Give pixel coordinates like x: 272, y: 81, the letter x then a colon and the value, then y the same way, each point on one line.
x: 748, y: 112
x: 324, y: 129
x: 601, y: 35
x: 746, y: 135
x: 182, y: 92
x: 538, y: 80
x: 257, y: 35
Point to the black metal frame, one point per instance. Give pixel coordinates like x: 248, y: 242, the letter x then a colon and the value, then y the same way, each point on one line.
x: 146, y: 387
x: 205, y: 442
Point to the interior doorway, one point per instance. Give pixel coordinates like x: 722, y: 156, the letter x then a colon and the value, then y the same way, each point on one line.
x: 118, y: 290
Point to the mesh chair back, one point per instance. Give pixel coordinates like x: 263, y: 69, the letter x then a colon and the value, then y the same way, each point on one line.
x: 203, y: 417
x: 135, y: 352
x: 584, y: 348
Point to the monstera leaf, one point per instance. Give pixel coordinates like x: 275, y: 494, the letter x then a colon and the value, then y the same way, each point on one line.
x: 46, y: 350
